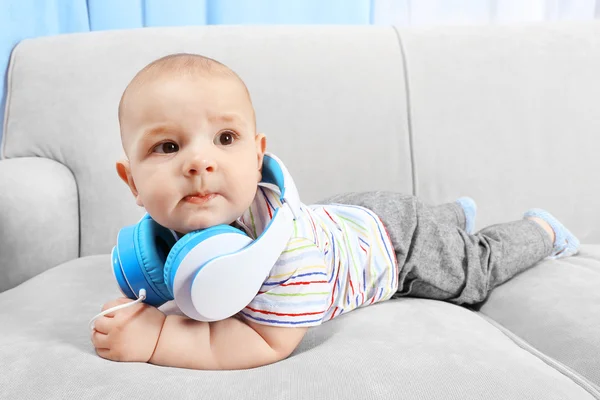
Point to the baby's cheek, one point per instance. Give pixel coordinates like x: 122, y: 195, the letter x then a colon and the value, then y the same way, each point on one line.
x: 155, y: 200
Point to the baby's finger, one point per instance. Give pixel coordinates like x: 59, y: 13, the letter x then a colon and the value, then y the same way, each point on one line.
x: 100, y: 341
x: 104, y: 353
x: 103, y: 324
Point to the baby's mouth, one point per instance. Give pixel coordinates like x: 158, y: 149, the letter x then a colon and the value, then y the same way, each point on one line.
x: 198, y: 198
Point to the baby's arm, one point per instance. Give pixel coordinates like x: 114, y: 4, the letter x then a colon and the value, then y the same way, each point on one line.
x: 228, y: 344
x: 142, y: 333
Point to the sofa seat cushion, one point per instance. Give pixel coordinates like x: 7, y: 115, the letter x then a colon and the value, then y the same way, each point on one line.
x: 555, y: 306
x: 411, y: 348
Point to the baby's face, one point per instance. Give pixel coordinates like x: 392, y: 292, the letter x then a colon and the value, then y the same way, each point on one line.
x: 194, y: 157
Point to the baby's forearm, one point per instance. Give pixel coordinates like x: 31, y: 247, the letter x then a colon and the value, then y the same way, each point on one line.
x: 228, y: 344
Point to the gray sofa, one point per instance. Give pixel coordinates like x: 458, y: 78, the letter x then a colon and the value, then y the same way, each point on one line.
x: 507, y: 115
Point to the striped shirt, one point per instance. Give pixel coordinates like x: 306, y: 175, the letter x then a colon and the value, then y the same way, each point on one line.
x: 339, y: 258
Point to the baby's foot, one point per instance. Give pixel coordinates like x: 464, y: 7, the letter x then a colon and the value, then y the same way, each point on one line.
x: 470, y: 209
x: 565, y: 243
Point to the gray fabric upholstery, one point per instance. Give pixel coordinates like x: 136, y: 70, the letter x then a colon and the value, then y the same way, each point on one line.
x: 39, y: 218
x: 508, y: 114
x: 407, y: 348
x: 556, y: 308
x: 478, y: 111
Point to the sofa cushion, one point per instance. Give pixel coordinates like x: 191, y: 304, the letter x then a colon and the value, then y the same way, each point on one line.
x: 555, y: 307
x: 411, y: 348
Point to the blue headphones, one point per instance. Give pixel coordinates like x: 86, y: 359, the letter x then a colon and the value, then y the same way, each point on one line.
x: 211, y: 273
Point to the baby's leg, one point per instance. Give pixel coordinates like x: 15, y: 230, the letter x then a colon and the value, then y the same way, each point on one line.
x: 441, y: 262
x: 454, y: 266
x: 460, y: 213
x: 449, y: 264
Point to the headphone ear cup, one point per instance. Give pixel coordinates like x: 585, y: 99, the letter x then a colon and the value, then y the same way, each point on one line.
x: 153, y: 243
x: 194, y: 242
x: 120, y: 275
x: 170, y: 268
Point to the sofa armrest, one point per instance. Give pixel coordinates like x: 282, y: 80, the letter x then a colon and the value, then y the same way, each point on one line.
x: 39, y: 218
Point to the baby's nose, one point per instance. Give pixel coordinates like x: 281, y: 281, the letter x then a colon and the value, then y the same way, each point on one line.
x: 200, y: 165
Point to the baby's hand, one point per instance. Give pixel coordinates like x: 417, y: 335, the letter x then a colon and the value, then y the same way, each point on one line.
x: 129, y: 334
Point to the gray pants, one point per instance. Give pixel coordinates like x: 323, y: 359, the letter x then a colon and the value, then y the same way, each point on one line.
x: 438, y: 259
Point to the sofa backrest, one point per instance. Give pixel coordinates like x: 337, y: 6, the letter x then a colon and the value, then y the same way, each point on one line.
x: 510, y: 116
x: 506, y: 115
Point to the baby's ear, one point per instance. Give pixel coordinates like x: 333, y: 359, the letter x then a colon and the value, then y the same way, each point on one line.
x: 124, y: 172
x: 261, y: 146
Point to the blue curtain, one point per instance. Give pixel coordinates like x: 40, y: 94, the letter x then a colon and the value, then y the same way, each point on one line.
x: 20, y: 19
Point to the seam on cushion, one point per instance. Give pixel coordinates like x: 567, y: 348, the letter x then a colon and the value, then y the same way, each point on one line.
x: 408, y: 113
x: 78, y: 201
x: 577, y: 378
x: 8, y: 88
x: 79, y: 242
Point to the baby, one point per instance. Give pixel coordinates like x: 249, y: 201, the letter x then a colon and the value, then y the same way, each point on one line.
x: 194, y: 159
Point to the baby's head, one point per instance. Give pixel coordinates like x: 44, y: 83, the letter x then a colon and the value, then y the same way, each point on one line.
x: 193, y: 157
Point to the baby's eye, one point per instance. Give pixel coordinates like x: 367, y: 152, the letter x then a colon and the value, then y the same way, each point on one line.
x: 166, y: 148
x: 225, y: 138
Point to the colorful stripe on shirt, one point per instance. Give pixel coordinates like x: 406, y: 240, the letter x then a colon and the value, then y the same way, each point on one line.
x: 339, y: 258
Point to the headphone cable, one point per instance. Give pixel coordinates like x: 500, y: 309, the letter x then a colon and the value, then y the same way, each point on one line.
x: 141, y: 297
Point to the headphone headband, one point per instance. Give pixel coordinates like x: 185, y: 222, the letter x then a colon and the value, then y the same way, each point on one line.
x: 275, y: 176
